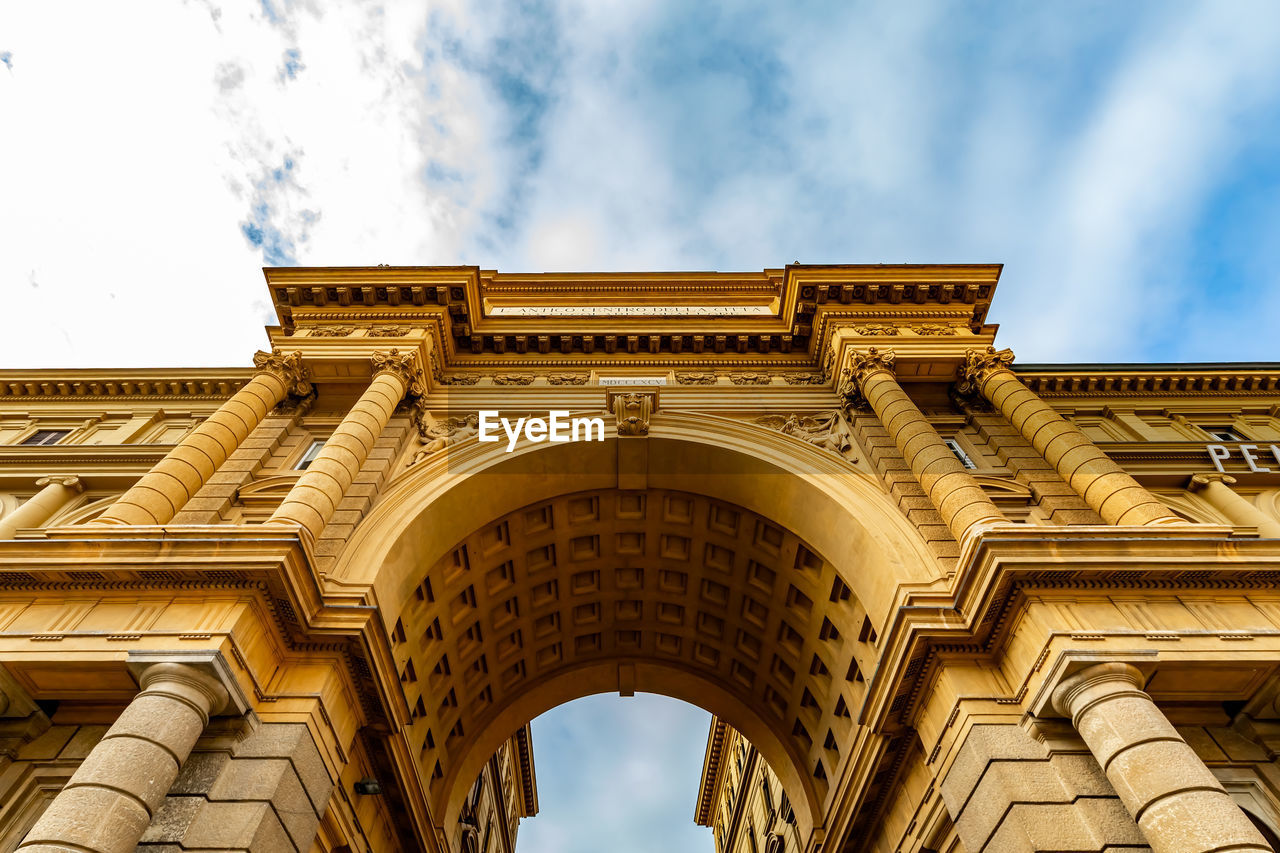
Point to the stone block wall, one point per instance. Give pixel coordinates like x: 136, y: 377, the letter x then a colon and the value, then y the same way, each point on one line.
x: 1058, y: 502
x: 36, y: 760
x: 213, y: 503
x: 263, y: 790
x: 1009, y: 793
x: 904, y: 488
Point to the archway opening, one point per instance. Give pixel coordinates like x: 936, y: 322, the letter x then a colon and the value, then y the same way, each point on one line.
x: 620, y: 773
x: 614, y: 591
x: 700, y: 582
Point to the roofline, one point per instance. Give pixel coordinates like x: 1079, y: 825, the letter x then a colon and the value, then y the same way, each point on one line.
x: 1146, y: 367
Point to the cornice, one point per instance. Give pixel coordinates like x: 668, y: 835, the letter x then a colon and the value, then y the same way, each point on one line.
x: 1165, y: 381
x: 528, y: 775
x: 152, y: 384
x: 465, y: 298
x: 704, y: 812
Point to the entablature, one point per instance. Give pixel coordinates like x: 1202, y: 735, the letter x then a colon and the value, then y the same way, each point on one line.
x: 780, y: 318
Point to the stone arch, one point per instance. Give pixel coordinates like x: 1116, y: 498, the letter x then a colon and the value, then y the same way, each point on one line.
x: 741, y: 570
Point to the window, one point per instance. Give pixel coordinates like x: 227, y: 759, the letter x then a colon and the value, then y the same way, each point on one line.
x: 310, y: 456
x: 1222, y: 434
x: 45, y: 436
x: 959, y: 453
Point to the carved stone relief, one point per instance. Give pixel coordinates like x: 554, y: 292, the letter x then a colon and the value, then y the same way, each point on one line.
x: 827, y: 430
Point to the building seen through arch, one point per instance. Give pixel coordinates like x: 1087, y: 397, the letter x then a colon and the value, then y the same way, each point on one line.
x: 935, y: 599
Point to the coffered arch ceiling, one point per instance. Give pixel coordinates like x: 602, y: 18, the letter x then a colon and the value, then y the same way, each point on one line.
x: 609, y: 590
x: 741, y: 570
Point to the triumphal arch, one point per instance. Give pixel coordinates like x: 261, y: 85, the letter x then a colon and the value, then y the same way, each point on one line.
x: 952, y: 601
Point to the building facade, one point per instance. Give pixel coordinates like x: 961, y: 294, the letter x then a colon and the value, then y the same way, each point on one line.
x: 741, y: 799
x: 951, y: 602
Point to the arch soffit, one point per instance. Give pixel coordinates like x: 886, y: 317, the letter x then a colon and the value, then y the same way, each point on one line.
x: 717, y: 605
x: 842, y: 512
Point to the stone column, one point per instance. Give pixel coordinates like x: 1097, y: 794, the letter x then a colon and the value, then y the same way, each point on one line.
x: 1178, y: 804
x: 55, y: 492
x: 959, y: 499
x: 1104, y: 485
x: 162, y: 491
x: 313, y: 499
x: 1216, y: 489
x: 111, y: 799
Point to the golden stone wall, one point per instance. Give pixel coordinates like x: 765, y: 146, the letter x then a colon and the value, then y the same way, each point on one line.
x: 940, y: 600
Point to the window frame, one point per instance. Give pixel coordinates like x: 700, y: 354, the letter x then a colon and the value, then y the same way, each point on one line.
x: 60, y: 436
x: 311, y: 454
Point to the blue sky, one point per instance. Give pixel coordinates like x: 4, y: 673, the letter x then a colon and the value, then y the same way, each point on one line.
x: 1121, y: 159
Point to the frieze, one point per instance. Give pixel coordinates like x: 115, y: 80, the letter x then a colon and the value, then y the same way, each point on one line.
x: 387, y: 332
x: 750, y: 378
x: 699, y: 378
x: 878, y: 329
x: 568, y: 378
x: 926, y: 329
x: 513, y: 379
x: 631, y: 311
x: 330, y: 331
x: 803, y: 378
x: 460, y: 379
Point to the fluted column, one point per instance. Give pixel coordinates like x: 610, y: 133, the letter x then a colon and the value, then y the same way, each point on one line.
x: 313, y: 499
x: 1104, y: 485
x: 55, y: 492
x: 112, y: 797
x: 162, y: 491
x: 1216, y: 489
x: 1178, y: 804
x: 957, y: 496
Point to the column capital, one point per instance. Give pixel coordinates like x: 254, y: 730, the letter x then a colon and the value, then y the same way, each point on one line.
x: 188, y: 684
x: 287, y: 367
x: 1201, y: 481
x: 402, y: 365
x: 70, y: 481
x: 862, y: 365
x: 978, y: 364
x: 1100, y: 681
